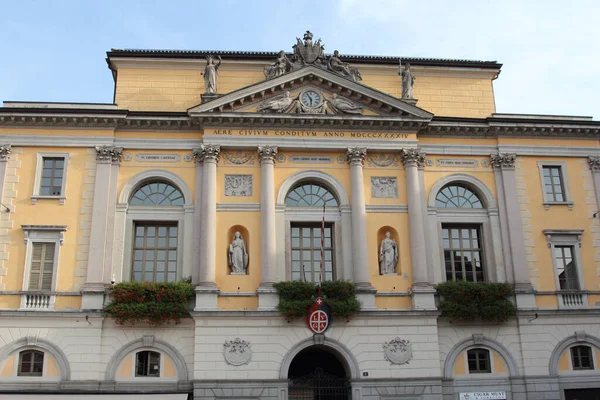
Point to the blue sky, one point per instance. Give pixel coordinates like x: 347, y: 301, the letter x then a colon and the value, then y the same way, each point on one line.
x: 55, y: 50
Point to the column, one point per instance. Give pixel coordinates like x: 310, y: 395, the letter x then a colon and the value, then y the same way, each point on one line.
x: 199, y: 162
x: 594, y: 162
x: 510, y: 213
x: 422, y: 291
x: 5, y: 150
x: 366, y: 292
x: 206, y: 291
x: 267, y: 297
x: 98, y: 258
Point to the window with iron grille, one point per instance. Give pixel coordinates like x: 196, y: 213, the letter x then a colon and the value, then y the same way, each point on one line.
x: 52, y: 176
x: 566, y: 267
x: 463, y: 253
x: 581, y: 356
x: 147, y: 363
x: 479, y: 361
x: 306, y: 252
x: 31, y: 363
x: 155, y: 252
x: 42, y: 266
x: 553, y: 181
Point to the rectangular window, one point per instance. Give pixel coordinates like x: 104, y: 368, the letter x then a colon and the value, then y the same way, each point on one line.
x: 554, y: 187
x: 155, y: 252
x: 42, y: 266
x: 51, y: 183
x: 581, y: 356
x: 147, y: 363
x: 479, y: 361
x: 566, y: 267
x: 31, y: 363
x: 463, y: 254
x: 306, y: 252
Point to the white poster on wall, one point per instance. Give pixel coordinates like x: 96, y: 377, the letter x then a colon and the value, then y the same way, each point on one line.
x: 482, y: 396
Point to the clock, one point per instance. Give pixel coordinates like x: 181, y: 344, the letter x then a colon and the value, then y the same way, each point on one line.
x: 311, y: 98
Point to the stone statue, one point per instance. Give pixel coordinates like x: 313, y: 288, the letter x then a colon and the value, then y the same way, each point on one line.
x: 210, y: 75
x: 279, y: 104
x: 336, y: 65
x: 388, y: 255
x: 238, y: 256
x: 279, y: 67
x: 308, y: 52
x: 342, y: 105
x: 408, y: 80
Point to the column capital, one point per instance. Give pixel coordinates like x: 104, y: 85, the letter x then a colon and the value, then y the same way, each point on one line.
x: 267, y: 153
x: 413, y: 157
x: 5, y: 150
x: 207, y: 152
x: 594, y: 162
x: 108, y: 154
x: 503, y: 161
x: 356, y: 155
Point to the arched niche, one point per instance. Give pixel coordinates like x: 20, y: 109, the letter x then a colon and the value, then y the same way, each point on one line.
x: 33, y: 343
x: 579, y: 338
x: 393, y: 235
x: 484, y: 342
x: 246, y: 236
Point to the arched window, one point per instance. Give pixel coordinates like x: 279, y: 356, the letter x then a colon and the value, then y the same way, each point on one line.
x: 479, y: 361
x: 157, y: 194
x: 457, y: 196
x: 147, y: 363
x: 31, y: 363
x: 310, y: 195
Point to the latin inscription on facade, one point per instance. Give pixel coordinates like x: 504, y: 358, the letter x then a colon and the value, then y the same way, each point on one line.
x: 157, y: 157
x: 454, y: 162
x: 311, y: 159
x: 238, y: 185
x: 309, y: 134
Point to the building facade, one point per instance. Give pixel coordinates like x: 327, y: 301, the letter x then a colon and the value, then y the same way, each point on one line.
x: 228, y: 168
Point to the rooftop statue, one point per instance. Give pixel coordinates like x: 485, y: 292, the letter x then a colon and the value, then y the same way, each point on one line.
x: 336, y: 65
x: 210, y: 75
x: 281, y: 65
x: 308, y: 52
x: 408, y: 80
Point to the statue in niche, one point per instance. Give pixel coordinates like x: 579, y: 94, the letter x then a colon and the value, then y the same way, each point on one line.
x: 388, y: 255
x: 336, y: 65
x: 278, y: 104
x: 238, y: 256
x: 279, y: 67
x: 408, y: 80
x: 342, y: 105
x: 210, y: 75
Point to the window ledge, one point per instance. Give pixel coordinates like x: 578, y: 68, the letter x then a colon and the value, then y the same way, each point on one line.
x: 61, y: 199
x: 547, y: 204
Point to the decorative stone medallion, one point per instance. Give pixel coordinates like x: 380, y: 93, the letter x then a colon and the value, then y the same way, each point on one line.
x: 238, y: 158
x: 127, y: 157
x: 238, y: 185
x: 382, y: 160
x: 237, y: 352
x: 398, y: 351
x: 384, y: 187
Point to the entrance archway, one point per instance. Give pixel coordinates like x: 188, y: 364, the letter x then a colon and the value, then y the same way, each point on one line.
x: 317, y: 373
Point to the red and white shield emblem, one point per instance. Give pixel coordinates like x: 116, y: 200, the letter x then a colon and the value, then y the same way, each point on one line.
x: 318, y: 321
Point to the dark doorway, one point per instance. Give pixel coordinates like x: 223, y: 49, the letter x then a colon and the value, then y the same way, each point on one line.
x: 582, y: 394
x: 316, y: 374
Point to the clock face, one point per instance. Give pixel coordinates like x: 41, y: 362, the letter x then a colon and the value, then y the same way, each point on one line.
x: 311, y: 98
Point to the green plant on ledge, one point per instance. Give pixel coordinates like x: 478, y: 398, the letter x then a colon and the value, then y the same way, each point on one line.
x: 295, y: 297
x: 476, y: 301
x: 155, y: 303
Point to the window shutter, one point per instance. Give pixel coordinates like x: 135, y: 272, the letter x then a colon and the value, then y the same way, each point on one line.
x: 42, y: 266
x: 48, y: 266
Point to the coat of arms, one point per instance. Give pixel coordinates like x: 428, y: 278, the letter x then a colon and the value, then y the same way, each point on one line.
x: 237, y: 352
x: 308, y: 52
x: 398, y: 351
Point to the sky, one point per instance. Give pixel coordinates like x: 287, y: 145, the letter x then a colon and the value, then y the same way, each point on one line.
x: 55, y: 50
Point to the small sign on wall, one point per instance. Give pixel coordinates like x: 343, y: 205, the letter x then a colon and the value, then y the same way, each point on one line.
x: 482, y: 396
x: 454, y: 162
x: 157, y: 157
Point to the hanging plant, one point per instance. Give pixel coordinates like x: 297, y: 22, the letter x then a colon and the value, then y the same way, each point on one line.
x: 155, y: 303
x: 476, y: 301
x: 296, y: 297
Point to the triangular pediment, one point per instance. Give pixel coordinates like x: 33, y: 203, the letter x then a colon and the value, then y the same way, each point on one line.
x: 359, y: 101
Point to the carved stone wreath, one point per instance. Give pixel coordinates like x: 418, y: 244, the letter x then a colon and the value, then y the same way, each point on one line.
x: 398, y: 351
x: 238, y: 158
x: 237, y: 352
x: 382, y: 160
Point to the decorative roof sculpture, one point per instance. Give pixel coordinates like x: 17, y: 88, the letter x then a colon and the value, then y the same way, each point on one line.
x: 308, y: 53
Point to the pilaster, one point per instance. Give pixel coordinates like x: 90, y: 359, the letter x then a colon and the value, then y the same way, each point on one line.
x: 267, y: 297
x: 5, y: 150
x: 594, y: 163
x: 365, y: 291
x: 422, y: 292
x: 206, y: 291
x: 510, y: 217
x: 99, y: 266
